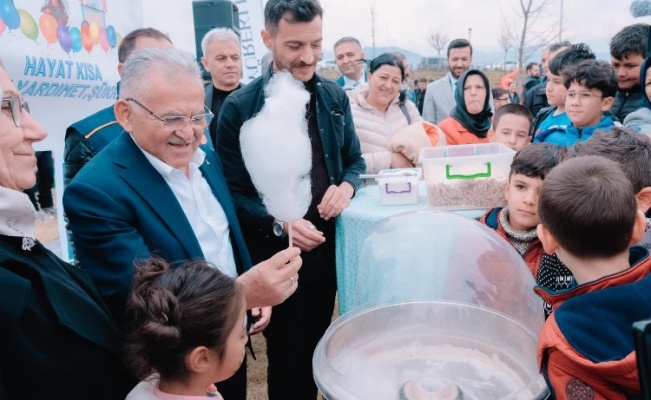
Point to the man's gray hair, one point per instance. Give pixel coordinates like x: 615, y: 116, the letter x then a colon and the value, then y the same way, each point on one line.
x: 218, y: 35
x: 347, y: 39
x: 172, y: 63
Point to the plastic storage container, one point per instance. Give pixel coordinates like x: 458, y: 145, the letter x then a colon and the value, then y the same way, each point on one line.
x: 399, y: 186
x: 466, y: 176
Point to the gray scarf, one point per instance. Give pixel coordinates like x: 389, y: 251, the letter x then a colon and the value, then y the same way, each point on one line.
x: 17, y: 216
x: 520, y: 239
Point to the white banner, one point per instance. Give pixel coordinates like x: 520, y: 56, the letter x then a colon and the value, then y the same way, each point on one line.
x: 63, y: 56
x: 251, y: 15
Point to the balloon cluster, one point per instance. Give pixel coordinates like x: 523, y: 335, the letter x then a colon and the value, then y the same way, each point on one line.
x: 70, y: 39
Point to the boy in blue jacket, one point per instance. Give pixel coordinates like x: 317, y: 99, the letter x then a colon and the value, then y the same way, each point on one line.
x: 591, y: 87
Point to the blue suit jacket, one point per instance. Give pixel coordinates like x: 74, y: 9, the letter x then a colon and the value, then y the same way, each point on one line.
x: 121, y: 209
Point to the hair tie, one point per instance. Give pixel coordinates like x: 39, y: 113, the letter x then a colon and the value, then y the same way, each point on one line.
x: 165, y: 317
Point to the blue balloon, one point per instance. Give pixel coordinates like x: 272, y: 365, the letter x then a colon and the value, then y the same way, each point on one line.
x: 111, y: 36
x: 9, y: 14
x: 75, y: 37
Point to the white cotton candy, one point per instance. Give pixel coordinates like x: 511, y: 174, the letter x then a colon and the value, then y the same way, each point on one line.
x: 276, y: 149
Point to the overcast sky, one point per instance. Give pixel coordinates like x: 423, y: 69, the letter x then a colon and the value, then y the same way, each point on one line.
x: 408, y: 23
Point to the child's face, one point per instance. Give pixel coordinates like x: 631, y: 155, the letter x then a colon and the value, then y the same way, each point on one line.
x: 513, y: 131
x: 521, y: 194
x: 585, y: 106
x: 235, y: 348
x: 627, y: 70
x: 555, y: 90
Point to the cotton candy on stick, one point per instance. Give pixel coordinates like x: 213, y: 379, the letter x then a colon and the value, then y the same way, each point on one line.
x: 277, y: 152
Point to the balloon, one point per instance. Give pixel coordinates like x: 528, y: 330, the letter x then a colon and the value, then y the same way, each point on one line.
x: 103, y: 41
x: 48, y: 25
x: 118, y: 39
x: 9, y: 14
x: 75, y: 39
x: 63, y: 34
x: 94, y: 32
x: 110, y: 36
x: 28, y: 25
x: 2, y: 26
x: 86, y: 40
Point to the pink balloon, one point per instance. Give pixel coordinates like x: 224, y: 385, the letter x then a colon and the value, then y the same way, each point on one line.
x: 103, y: 40
x: 2, y: 26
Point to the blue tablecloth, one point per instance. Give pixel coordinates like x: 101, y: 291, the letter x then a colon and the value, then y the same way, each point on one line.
x: 354, y: 224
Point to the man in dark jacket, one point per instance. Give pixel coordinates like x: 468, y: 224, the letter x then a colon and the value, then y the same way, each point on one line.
x: 293, y: 34
x: 85, y: 138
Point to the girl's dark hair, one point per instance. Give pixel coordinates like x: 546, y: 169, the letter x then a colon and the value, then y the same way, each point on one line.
x: 387, y: 59
x: 175, y: 310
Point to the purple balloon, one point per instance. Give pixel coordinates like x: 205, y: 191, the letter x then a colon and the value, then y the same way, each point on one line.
x: 63, y: 34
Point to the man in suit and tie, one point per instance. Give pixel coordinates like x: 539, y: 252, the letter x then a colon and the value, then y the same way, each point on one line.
x: 350, y: 61
x: 222, y: 59
x: 439, y: 97
x: 155, y: 191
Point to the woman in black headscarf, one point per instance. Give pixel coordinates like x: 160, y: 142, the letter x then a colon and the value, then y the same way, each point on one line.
x: 470, y: 119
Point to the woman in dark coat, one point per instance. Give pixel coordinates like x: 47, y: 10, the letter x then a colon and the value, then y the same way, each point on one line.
x: 57, y: 339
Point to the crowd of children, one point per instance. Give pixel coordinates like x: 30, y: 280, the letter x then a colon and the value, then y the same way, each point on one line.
x: 575, y: 209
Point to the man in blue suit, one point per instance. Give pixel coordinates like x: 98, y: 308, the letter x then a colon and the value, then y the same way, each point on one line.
x: 85, y: 138
x: 155, y: 191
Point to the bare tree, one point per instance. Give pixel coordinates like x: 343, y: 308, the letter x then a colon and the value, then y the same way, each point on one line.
x: 438, y: 40
x: 524, y: 35
x: 505, y: 43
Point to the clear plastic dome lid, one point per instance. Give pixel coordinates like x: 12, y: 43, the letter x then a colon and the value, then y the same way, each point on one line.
x: 444, y: 308
x: 436, y: 255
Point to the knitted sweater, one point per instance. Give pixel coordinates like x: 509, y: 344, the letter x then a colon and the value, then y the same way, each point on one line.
x: 374, y: 129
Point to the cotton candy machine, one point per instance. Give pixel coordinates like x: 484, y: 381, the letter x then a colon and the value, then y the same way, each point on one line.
x: 444, y: 309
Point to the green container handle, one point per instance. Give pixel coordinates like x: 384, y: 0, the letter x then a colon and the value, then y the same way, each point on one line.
x: 450, y: 176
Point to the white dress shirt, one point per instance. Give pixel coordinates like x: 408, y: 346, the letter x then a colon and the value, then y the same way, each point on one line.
x: 201, y: 208
x: 351, y: 84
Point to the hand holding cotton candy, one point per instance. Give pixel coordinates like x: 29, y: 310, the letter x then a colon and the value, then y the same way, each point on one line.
x: 277, y: 152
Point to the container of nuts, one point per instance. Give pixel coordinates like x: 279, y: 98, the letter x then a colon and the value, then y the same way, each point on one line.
x: 466, y: 176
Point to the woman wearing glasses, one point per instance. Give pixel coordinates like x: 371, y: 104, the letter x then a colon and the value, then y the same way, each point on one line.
x: 56, y: 336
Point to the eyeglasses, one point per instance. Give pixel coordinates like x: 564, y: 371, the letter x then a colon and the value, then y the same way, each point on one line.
x: 16, y: 107
x: 176, y: 122
x: 504, y: 99
x: 582, y: 96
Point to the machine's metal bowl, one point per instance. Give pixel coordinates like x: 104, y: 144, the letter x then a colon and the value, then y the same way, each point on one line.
x: 428, y: 350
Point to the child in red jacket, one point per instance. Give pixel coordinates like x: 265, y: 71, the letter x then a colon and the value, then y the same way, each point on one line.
x: 518, y: 220
x: 589, y: 217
